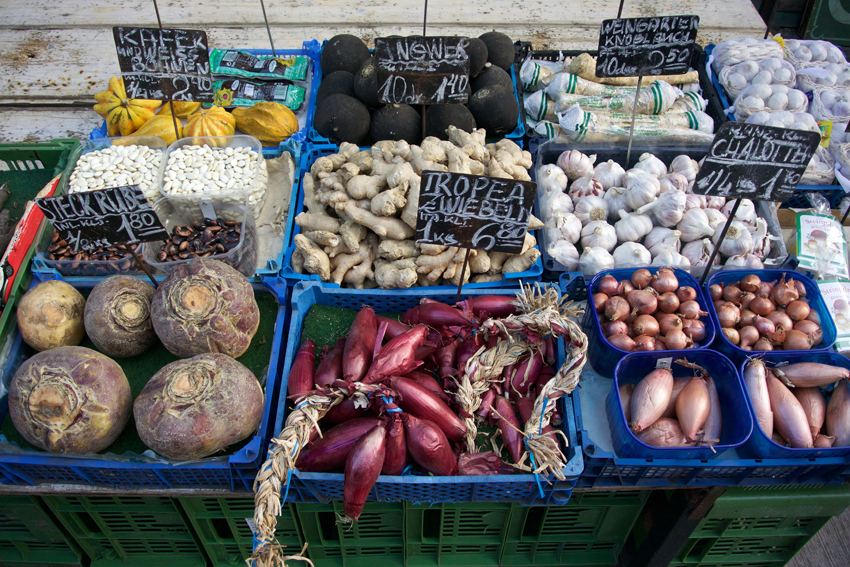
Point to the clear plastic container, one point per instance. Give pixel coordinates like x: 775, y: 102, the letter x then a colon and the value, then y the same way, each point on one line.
x: 221, y: 188
x: 149, y: 186
x: 179, y: 213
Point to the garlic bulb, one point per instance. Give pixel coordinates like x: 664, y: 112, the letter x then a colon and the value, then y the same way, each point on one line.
x: 671, y: 258
x: 564, y: 226
x: 746, y: 212
x: 565, y: 253
x: 554, y: 201
x: 715, y: 218
x: 743, y: 262
x: 551, y: 178
x: 631, y: 255
x: 661, y: 238
x: 694, y: 225
x: 610, y: 174
x: 651, y: 164
x: 591, y: 208
x: 761, y: 240
x: 698, y: 253
x: 575, y: 164
x: 687, y: 167
x: 595, y: 260
x: 599, y: 234
x: 695, y: 202
x: 715, y: 202
x: 738, y: 240
x: 668, y: 209
x: 632, y: 226
x: 617, y: 198
x: 585, y: 187
x: 673, y: 181
x: 642, y: 188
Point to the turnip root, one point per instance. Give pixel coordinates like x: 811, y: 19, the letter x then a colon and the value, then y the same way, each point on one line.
x: 194, y: 408
x: 117, y: 316
x: 50, y: 315
x: 70, y: 400
x: 205, y: 306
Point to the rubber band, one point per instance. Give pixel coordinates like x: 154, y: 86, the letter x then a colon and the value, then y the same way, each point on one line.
x: 302, y: 404
x: 533, y: 466
x: 289, y: 476
x: 542, y: 413
x: 408, y: 470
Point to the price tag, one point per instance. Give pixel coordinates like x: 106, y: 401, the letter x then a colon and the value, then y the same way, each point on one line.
x: 637, y: 47
x: 665, y: 363
x: 755, y: 162
x: 99, y: 219
x: 157, y: 64
x: 423, y: 70
x: 473, y: 211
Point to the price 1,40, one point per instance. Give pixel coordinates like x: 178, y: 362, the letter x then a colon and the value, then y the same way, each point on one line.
x: 397, y: 89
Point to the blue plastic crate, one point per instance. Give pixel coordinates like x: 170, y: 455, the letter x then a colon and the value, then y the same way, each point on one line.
x: 128, y: 471
x: 572, y: 284
x: 736, y: 354
x: 605, y: 355
x: 760, y: 445
x: 314, y: 152
x: 324, y: 487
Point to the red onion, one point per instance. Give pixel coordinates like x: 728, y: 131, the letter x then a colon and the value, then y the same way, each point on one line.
x: 686, y: 293
x: 641, y: 278
x: 510, y: 427
x: 664, y: 280
x: 750, y: 282
x: 360, y: 345
x: 691, y: 310
x: 425, y: 404
x: 608, y: 285
x: 301, y: 374
x: 331, y: 450
x: 599, y: 301
x: 716, y: 292
x: 764, y: 326
x: 731, y: 335
x: 643, y: 301
x: 695, y: 330
x: 492, y: 305
x: 668, y: 302
x: 395, y: 458
x: 646, y: 325
x: 397, y: 357
x: 729, y: 315
x: 362, y: 468
x: 797, y: 310
x: 622, y: 342
x: 617, y: 309
x: 761, y: 306
x: 669, y: 322
x: 644, y: 343
x: 615, y: 328
x: 330, y: 369
x: 429, y: 447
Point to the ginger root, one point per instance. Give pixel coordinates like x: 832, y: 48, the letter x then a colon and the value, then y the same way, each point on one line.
x: 396, y: 249
x: 344, y: 262
x: 317, y: 221
x: 323, y: 237
x: 382, y: 226
x: 315, y: 259
x: 397, y: 274
x: 521, y: 262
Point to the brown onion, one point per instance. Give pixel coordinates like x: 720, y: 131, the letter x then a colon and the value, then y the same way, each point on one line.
x: 695, y: 330
x: 750, y: 283
x: 643, y: 301
x: 765, y: 288
x: 641, y: 278
x: 747, y: 317
x: 798, y: 310
x: 669, y: 322
x: 748, y: 336
x: 615, y: 328
x: 796, y: 340
x: 746, y: 299
x: 608, y: 285
x: 631, y: 318
x: 664, y: 280
x: 668, y: 302
x: 659, y: 343
x: 644, y: 343
x: 731, y: 335
x: 720, y: 303
x: 801, y: 287
x: 778, y: 318
x: 616, y: 309
x: 729, y: 315
x: 784, y: 293
x: 624, y: 288
x: 764, y: 326
x: 814, y: 316
x: 778, y: 336
x: 763, y: 344
x: 622, y: 342
x: 761, y: 306
x: 733, y: 293
x: 691, y: 310
x: 599, y: 301
x: 716, y: 292
x: 676, y: 340
x: 686, y: 293
x: 646, y: 325
x: 807, y: 326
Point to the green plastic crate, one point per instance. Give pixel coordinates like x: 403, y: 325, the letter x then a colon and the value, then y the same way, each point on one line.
x: 751, y: 526
x: 132, y: 531
x: 455, y: 534
x: 225, y: 535
x: 29, y: 537
x: 375, y: 540
x: 589, y: 530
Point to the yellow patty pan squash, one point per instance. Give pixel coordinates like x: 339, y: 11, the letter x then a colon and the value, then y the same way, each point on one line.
x: 162, y: 126
x: 214, y: 121
x: 181, y: 107
x: 123, y: 115
x: 269, y: 122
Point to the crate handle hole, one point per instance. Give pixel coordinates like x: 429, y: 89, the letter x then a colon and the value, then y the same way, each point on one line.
x: 327, y: 523
x: 533, y: 521
x: 432, y: 519
x: 89, y: 522
x: 222, y: 528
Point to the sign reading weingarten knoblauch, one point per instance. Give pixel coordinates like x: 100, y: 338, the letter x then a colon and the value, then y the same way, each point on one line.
x: 158, y: 64
x: 473, y: 211
x: 638, y: 47
x: 423, y: 70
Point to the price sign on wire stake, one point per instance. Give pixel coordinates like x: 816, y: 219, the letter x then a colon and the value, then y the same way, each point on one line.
x: 637, y: 47
x: 423, y: 70
x: 164, y: 64
x: 755, y: 162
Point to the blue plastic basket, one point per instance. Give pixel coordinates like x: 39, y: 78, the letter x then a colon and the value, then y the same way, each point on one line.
x: 760, y: 445
x: 311, y: 154
x: 128, y: 471
x: 737, y: 422
x: 324, y: 487
x: 605, y: 355
x: 736, y: 354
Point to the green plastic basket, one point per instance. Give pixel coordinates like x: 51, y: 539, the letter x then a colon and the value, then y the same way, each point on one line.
x: 29, y: 537
x: 751, y: 526
x: 131, y: 531
x: 455, y: 534
x: 589, y: 530
x: 375, y: 540
x: 224, y: 533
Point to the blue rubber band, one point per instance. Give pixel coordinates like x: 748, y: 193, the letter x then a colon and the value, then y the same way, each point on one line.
x: 542, y: 413
x: 302, y: 404
x: 395, y: 410
x: 533, y: 466
x: 407, y: 470
x: 289, y: 476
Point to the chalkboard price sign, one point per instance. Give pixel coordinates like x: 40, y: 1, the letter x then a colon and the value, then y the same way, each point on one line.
x: 160, y: 63
x: 96, y: 219
x: 634, y: 47
x: 755, y: 162
x: 423, y: 70
x: 472, y: 211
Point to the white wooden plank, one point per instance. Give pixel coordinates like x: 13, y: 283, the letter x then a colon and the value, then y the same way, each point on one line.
x: 43, y: 125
